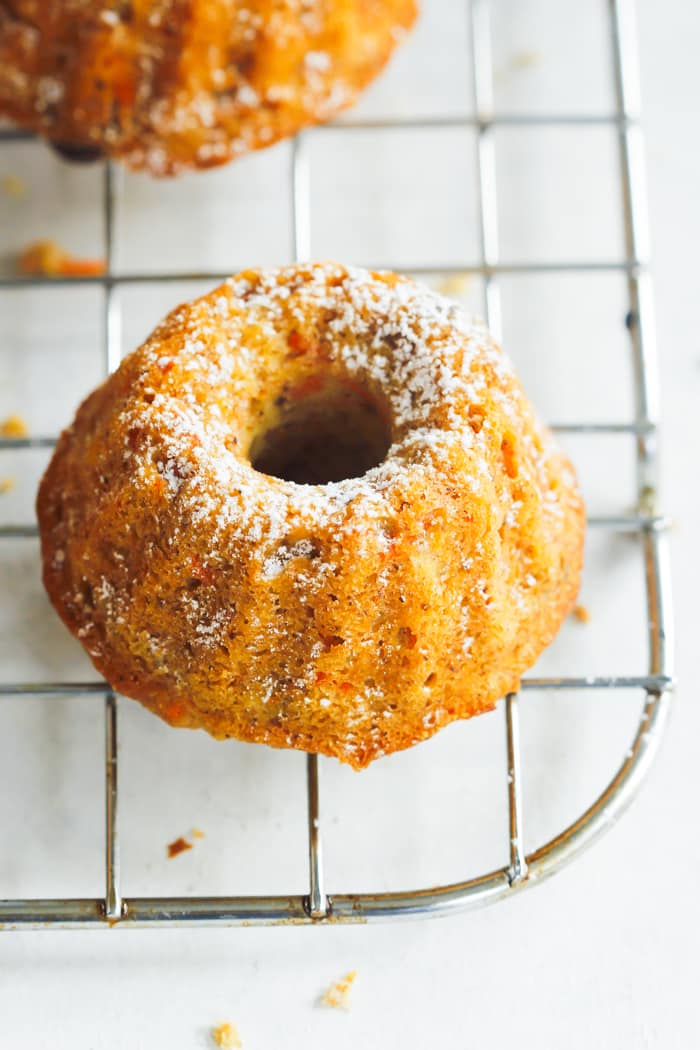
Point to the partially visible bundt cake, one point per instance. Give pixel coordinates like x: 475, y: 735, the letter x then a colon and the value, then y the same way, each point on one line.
x: 173, y: 84
x: 314, y: 510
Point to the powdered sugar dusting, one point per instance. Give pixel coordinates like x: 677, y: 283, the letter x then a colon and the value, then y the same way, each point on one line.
x: 276, y: 561
x: 238, y: 591
x: 429, y: 359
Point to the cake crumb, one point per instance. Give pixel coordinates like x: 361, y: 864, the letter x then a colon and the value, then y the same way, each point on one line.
x: 178, y: 846
x: 181, y: 844
x: 518, y: 62
x: 13, y: 427
x: 581, y: 614
x: 456, y: 285
x: 525, y: 59
x: 13, y: 186
x: 49, y: 259
x: 226, y: 1036
x: 6, y: 484
x: 337, y: 995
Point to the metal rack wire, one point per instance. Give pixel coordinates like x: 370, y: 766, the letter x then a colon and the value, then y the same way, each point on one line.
x: 318, y: 905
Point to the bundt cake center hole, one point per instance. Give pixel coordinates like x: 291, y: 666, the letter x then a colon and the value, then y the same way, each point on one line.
x: 321, y: 431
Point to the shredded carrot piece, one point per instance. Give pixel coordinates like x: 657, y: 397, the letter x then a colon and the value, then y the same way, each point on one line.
x: 47, y: 258
x: 72, y: 267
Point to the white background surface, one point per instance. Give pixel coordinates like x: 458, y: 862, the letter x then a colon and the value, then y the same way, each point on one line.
x: 605, y: 954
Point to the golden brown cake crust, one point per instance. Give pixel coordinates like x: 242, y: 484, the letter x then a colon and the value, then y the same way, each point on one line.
x: 352, y: 618
x: 173, y: 84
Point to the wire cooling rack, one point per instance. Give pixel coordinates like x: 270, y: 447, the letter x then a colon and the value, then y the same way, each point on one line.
x: 524, y: 869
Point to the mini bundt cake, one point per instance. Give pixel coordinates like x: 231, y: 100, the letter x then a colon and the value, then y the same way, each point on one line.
x: 313, y: 510
x: 174, y: 84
